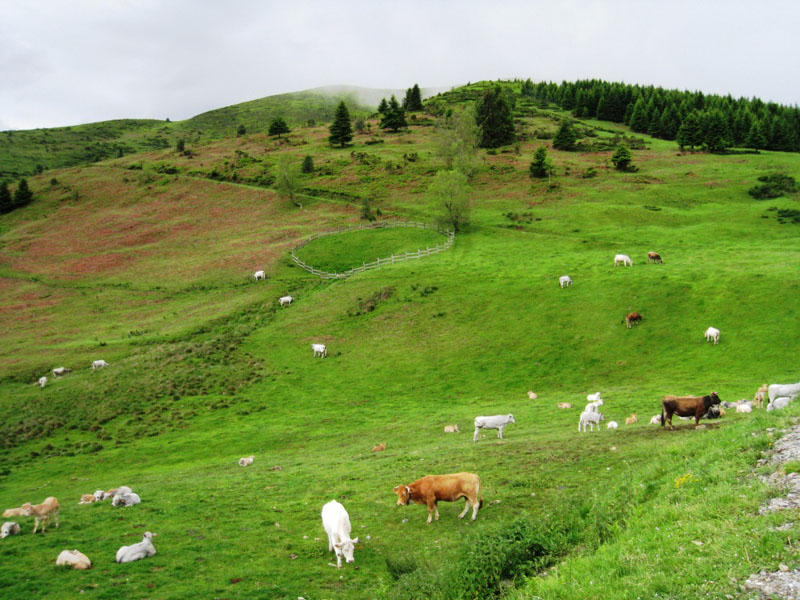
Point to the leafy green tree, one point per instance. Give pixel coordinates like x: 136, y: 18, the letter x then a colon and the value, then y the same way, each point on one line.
x: 308, y: 164
x: 494, y: 119
x: 180, y: 145
x: 241, y: 131
x: 6, y: 202
x: 287, y: 179
x: 341, y: 130
x: 565, y: 138
x: 395, y: 117
x: 541, y: 166
x: 690, y: 133
x: 278, y: 127
x: 457, y: 140
x: 622, y: 158
x: 413, y: 100
x: 449, y: 192
x: 383, y: 106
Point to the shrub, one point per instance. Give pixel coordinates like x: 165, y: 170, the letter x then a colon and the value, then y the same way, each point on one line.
x: 773, y: 186
x: 308, y: 164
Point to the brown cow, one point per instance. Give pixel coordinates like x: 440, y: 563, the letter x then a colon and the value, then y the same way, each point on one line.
x: 632, y: 318
x: 654, y: 257
x: 379, y: 447
x: 42, y: 512
x: 448, y: 488
x: 687, y: 406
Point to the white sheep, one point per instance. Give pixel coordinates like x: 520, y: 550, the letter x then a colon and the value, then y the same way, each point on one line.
x: 9, y: 528
x: 143, y: 549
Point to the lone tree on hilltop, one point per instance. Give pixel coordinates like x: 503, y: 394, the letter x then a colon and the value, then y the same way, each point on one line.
x: 413, y: 99
x: 541, y: 166
x: 6, y: 202
x: 278, y: 127
x: 395, y: 117
x: 494, y: 119
x: 622, y: 159
x: 565, y: 138
x: 341, y: 129
x: 287, y: 179
x: 449, y: 192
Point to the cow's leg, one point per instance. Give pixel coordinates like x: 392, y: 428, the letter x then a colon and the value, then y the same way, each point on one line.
x: 431, y: 506
x: 475, y: 505
x: 466, y: 507
x: 56, y: 520
x: 500, y: 431
x: 475, y: 437
x: 35, y: 524
x: 436, y: 509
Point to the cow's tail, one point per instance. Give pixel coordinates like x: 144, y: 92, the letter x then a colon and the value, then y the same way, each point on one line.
x: 479, y: 494
x: 662, y: 413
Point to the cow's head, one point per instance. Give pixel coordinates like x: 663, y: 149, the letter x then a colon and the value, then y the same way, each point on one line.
x: 346, y: 549
x: 27, y: 509
x: 714, y: 398
x: 511, y: 419
x: 403, y: 494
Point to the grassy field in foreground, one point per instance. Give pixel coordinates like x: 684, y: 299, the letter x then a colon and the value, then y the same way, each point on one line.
x: 153, y: 272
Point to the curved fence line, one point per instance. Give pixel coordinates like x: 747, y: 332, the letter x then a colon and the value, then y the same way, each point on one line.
x: 389, y: 260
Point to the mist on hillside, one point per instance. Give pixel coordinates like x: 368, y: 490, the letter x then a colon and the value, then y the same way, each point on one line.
x: 372, y: 96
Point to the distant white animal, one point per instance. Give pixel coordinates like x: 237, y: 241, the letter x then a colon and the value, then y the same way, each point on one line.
x: 336, y: 523
x: 564, y: 281
x: 99, y: 495
x: 9, y: 528
x: 451, y: 429
x: 99, y: 364
x: 593, y: 406
x: 246, y: 461
x: 744, y: 408
x: 624, y: 259
x: 129, y: 499
x: 498, y: 422
x: 59, y: 371
x: 42, y: 382
x: 779, y: 403
x: 284, y: 300
x: 564, y: 405
x: 259, y: 275
x: 532, y: 395
x: 123, y: 489
x: 75, y: 559
x: 612, y: 425
x: 589, y: 418
x: 656, y: 420
x: 776, y: 390
x: 143, y: 549
x: 712, y: 333
x: 320, y: 350
x: 594, y: 398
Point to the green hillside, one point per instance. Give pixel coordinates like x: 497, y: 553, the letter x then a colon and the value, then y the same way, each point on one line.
x: 146, y: 261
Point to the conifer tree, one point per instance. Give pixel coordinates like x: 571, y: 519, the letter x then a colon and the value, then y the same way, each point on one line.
x: 413, y: 99
x: 527, y: 88
x: 690, y: 133
x: 715, y: 137
x: 541, y: 166
x: 341, y: 130
x: 494, y: 119
x: 565, y: 138
x: 6, y: 202
x: 278, y: 127
x: 241, y: 130
x: 622, y: 158
x: 308, y: 164
x: 670, y: 122
x: 23, y: 194
x: 383, y: 106
x: 395, y: 117
x: 756, y: 138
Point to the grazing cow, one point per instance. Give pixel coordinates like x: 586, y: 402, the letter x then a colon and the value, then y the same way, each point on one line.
x: 633, y: 318
x: 448, y: 488
x: 259, y: 275
x: 42, y: 512
x: 532, y: 395
x: 336, y: 523
x: 284, y: 300
x: 75, y: 559
x: 594, y: 398
x: 42, y: 382
x: 319, y: 350
x: 451, y: 429
x: 143, y: 549
x: 779, y: 403
x: 656, y: 420
x: 379, y: 447
x: 129, y: 499
x: 783, y: 389
x: 59, y: 371
x: 99, y: 364
x: 624, y: 259
x: 564, y: 405
x: 246, y: 461
x: 590, y: 418
x: 14, y: 512
x: 498, y: 422
x: 654, y: 257
x: 686, y: 406
x: 9, y: 528
x: 564, y: 281
x: 631, y: 420
x: 612, y: 425
x: 88, y: 499
x: 712, y: 333
x: 758, y: 399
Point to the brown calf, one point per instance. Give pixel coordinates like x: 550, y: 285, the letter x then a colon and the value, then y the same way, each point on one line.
x: 632, y: 318
x: 686, y: 406
x: 447, y: 488
x: 42, y: 512
x: 654, y: 257
x: 379, y: 447
x: 758, y: 399
x: 631, y: 420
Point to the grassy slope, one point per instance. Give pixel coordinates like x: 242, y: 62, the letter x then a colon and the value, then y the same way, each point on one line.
x: 467, y: 332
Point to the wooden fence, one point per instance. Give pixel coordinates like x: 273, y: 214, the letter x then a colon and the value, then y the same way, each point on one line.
x: 389, y: 260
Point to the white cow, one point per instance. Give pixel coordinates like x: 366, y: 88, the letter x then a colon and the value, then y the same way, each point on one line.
x: 320, y: 350
x: 656, y: 420
x: 564, y: 281
x: 593, y: 406
x: 59, y: 371
x: 594, y: 398
x: 612, y: 425
x: 498, y: 422
x: 99, y: 364
x: 712, y: 333
x: 246, y: 461
x: 783, y: 389
x: 143, y: 549
x: 336, y: 523
x: 42, y: 382
x: 532, y: 395
x: 744, y: 408
x: 75, y: 559
x: 284, y: 300
x: 624, y: 259
x: 259, y: 275
x: 129, y: 499
x: 9, y: 528
x: 591, y: 419
x: 779, y: 403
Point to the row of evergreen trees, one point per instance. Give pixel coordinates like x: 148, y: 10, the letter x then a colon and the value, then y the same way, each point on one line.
x: 22, y: 196
x: 693, y: 119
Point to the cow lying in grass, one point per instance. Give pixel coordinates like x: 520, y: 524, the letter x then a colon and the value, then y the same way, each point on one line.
x: 687, y: 406
x: 448, y: 488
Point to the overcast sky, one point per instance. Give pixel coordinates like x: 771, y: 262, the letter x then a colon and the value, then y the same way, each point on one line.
x: 64, y: 62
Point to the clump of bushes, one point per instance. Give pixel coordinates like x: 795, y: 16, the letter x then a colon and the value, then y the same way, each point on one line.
x: 773, y: 186
x: 369, y: 304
